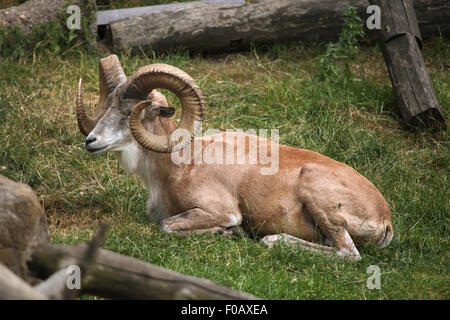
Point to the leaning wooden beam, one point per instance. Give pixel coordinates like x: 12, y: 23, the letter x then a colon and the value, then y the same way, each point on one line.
x: 400, y: 41
x: 119, y: 277
x: 225, y: 25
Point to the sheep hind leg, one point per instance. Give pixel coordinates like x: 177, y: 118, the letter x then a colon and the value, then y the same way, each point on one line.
x: 336, y: 232
x: 342, y: 252
x: 274, y: 239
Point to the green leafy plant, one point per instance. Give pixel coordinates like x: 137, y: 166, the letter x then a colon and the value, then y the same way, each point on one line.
x: 48, y: 37
x: 335, y: 62
x: 12, y: 42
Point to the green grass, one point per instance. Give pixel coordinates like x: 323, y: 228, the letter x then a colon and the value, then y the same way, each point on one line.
x: 353, y: 120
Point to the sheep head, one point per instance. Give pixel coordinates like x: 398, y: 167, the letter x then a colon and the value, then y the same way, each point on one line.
x: 122, y: 104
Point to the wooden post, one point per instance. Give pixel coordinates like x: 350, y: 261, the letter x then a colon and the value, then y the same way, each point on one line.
x: 400, y: 42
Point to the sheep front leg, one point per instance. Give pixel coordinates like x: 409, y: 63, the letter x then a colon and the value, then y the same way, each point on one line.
x: 199, y: 221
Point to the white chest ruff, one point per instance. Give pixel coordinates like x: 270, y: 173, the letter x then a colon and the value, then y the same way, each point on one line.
x: 134, y: 161
x: 130, y: 157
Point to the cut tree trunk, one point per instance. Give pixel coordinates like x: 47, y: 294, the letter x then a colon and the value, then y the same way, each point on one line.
x: 400, y: 41
x: 224, y: 25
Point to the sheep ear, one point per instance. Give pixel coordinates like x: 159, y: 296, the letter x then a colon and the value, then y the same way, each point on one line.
x: 167, y: 112
x: 163, y: 111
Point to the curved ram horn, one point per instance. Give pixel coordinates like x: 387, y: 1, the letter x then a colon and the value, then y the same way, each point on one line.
x: 170, y: 78
x: 111, y: 75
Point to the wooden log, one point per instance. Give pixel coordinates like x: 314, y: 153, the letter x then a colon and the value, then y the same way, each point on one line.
x: 225, y: 25
x: 400, y: 42
x: 119, y: 277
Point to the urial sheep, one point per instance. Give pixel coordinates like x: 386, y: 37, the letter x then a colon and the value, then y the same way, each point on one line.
x: 310, y: 199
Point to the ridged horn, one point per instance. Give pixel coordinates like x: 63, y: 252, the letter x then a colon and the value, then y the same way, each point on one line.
x: 111, y: 75
x: 173, y: 79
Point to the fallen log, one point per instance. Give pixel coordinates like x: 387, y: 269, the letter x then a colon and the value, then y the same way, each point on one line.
x: 233, y: 24
x: 119, y: 277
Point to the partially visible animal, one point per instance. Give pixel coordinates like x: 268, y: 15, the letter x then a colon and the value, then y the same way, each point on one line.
x: 319, y: 203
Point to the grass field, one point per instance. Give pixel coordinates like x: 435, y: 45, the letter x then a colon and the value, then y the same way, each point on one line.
x: 351, y: 119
